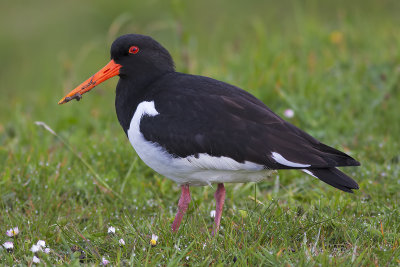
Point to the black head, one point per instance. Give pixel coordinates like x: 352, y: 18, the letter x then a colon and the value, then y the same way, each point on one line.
x: 137, y: 59
x: 140, y: 54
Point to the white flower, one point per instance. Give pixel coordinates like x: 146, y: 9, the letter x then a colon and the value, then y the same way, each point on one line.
x: 212, y: 213
x: 36, y: 259
x: 154, y: 237
x: 104, y: 261
x: 121, y: 242
x: 47, y: 250
x: 8, y: 245
x: 41, y: 243
x: 111, y: 230
x: 36, y: 248
x: 153, y: 240
x: 12, y: 232
x: 289, y: 113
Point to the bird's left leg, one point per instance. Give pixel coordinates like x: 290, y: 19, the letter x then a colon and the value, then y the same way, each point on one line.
x: 220, y: 200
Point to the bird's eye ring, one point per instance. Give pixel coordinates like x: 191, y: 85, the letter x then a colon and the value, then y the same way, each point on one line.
x: 133, y: 49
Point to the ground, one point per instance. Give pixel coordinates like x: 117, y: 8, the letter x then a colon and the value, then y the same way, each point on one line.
x: 336, y: 65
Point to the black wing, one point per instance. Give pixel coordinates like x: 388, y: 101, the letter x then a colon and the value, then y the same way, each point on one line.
x: 202, y: 115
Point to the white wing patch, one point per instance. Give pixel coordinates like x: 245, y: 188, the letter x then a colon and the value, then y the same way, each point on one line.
x: 281, y: 160
x: 309, y: 172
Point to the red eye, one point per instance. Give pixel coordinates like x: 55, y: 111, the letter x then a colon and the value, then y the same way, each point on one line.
x: 133, y: 49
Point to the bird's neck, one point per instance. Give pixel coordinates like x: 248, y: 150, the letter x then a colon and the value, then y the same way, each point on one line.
x: 130, y: 93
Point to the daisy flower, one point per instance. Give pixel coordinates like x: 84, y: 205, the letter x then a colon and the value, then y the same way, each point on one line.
x: 12, y: 232
x: 153, y: 240
x: 36, y: 259
x: 40, y: 246
x: 41, y: 243
x: 212, y: 213
x: 104, y: 261
x: 289, y: 113
x: 8, y: 245
x: 111, y: 230
x: 36, y: 248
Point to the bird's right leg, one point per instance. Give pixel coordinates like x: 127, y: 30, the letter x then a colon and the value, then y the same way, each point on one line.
x: 182, y: 207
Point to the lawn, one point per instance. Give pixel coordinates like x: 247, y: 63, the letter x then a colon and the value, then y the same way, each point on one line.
x: 335, y: 64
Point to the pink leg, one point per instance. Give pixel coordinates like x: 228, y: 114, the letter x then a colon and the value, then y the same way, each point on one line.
x: 219, y: 199
x: 182, y: 207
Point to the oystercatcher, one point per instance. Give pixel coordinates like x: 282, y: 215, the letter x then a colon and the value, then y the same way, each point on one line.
x: 198, y: 131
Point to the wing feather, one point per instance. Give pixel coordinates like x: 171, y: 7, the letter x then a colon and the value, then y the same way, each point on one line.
x: 202, y: 115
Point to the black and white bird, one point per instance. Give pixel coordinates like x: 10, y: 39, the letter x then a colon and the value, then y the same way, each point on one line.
x: 198, y: 131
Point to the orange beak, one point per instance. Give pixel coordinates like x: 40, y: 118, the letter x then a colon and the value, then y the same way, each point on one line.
x: 109, y: 70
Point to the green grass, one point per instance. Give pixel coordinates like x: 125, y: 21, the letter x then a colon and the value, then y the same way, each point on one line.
x: 335, y: 64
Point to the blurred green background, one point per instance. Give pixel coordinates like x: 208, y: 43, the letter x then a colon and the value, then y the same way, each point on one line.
x: 335, y: 63
x: 47, y: 47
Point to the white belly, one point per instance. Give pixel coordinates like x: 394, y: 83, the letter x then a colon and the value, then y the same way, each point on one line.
x: 201, y: 170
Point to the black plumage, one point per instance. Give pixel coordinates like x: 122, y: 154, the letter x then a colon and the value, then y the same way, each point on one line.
x: 202, y: 115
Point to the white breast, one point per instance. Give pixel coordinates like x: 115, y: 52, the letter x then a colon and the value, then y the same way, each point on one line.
x: 201, y: 170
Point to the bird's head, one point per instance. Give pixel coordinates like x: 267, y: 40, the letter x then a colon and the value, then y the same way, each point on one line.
x: 133, y: 56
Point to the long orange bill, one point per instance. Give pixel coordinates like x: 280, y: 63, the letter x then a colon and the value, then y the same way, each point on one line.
x: 109, y: 70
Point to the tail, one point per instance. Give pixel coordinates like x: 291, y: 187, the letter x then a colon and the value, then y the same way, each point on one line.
x: 333, y: 177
